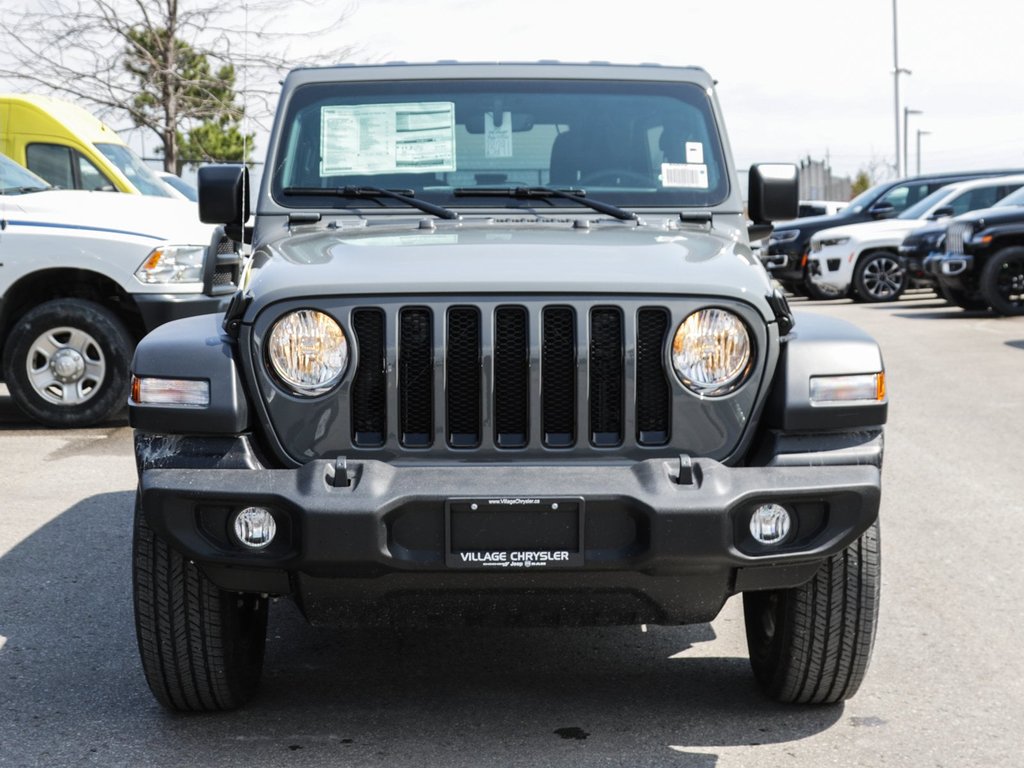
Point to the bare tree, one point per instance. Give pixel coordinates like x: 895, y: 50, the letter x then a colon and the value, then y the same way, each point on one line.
x: 168, y: 65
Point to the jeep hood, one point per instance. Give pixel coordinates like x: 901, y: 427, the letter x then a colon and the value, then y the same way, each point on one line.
x: 996, y: 216
x: 154, y: 219
x: 474, y: 259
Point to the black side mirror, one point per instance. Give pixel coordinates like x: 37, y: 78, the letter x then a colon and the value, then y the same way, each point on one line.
x: 773, y: 194
x: 882, y: 210
x: 224, y: 197
x: 938, y: 213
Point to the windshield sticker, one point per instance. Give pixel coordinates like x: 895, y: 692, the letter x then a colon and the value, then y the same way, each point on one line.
x: 694, y: 152
x: 692, y: 175
x: 498, y: 137
x: 387, y: 138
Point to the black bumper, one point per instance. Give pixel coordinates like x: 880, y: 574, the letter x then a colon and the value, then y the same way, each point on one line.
x: 641, y: 546
x: 948, y: 267
x: 160, y: 308
x: 785, y: 262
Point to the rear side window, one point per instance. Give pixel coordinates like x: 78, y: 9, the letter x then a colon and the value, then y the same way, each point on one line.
x: 66, y: 168
x: 905, y: 195
x: 982, y: 197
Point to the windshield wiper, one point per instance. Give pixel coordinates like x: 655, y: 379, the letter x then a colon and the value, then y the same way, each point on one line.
x: 542, y: 193
x: 406, y: 196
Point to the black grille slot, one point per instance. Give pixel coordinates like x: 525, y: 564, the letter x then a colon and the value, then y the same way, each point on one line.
x: 606, y: 377
x: 511, y: 377
x: 463, y: 377
x: 416, y: 378
x: 558, y: 371
x: 369, y: 386
x: 653, y: 397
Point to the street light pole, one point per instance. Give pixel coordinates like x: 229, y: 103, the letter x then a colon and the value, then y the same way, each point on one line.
x: 907, y: 112
x: 920, y: 133
x: 896, y: 72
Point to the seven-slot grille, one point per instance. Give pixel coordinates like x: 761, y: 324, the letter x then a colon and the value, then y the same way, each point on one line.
x: 511, y: 376
x: 956, y: 234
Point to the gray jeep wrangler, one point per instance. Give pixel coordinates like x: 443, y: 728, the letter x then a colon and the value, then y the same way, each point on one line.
x: 502, y: 353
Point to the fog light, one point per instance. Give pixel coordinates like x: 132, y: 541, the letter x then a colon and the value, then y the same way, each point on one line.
x: 770, y: 524
x: 255, y: 527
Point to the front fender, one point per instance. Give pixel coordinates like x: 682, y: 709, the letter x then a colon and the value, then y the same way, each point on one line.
x: 823, y: 346
x: 195, y: 348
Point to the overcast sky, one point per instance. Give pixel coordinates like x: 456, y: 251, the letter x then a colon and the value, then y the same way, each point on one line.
x: 797, y: 78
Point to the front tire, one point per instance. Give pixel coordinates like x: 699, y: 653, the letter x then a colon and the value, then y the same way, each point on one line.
x: 201, y: 646
x: 811, y: 644
x: 1002, y: 281
x: 879, y: 277
x: 817, y: 292
x: 961, y: 297
x: 66, y: 363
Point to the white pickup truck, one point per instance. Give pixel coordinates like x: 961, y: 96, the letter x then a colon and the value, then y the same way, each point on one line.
x: 83, y: 276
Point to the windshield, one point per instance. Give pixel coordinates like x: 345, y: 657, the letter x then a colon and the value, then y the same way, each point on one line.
x: 15, y: 180
x: 632, y: 144
x: 135, y: 170
x: 920, y: 209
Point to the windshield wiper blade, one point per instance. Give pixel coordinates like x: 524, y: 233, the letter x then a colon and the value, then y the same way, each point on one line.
x: 406, y: 196
x: 541, y: 193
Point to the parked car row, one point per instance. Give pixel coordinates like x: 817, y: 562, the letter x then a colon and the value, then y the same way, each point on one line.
x: 954, y: 233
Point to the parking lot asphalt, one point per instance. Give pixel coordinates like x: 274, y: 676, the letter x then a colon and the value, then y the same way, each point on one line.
x: 946, y: 687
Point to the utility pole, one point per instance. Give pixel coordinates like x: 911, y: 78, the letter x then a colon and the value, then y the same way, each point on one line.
x: 896, y: 72
x: 907, y: 112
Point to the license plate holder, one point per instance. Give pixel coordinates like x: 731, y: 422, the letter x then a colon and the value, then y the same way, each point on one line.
x: 514, y: 533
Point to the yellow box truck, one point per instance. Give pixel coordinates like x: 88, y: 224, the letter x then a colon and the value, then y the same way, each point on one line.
x: 71, y: 148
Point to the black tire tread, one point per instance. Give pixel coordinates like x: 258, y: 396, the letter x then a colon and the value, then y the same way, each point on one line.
x: 827, y: 629
x: 195, y: 654
x: 990, y: 277
x: 961, y: 297
x: 860, y: 290
x: 111, y: 332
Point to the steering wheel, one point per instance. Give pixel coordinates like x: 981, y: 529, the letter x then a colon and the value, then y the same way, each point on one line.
x: 616, y: 177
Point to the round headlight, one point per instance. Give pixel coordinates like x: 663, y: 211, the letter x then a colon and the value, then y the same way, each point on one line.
x: 308, y: 351
x: 711, y: 352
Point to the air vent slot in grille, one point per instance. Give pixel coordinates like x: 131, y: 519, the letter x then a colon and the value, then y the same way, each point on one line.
x: 653, y: 396
x: 369, y: 386
x: 463, y: 377
x: 416, y: 378
x: 511, y: 377
x: 558, y: 377
x: 606, y: 377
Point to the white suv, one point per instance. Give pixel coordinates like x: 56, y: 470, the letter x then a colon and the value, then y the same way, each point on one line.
x: 863, y: 258
x: 84, y: 276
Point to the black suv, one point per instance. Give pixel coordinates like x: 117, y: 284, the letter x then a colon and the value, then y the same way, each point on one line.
x: 786, y: 258
x: 983, y: 260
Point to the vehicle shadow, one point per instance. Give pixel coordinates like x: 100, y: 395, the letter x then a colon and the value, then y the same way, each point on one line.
x: 73, y: 691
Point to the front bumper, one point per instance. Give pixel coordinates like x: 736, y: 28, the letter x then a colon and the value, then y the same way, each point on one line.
x: 829, y: 266
x: 785, y: 261
x: 948, y: 265
x: 649, y: 548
